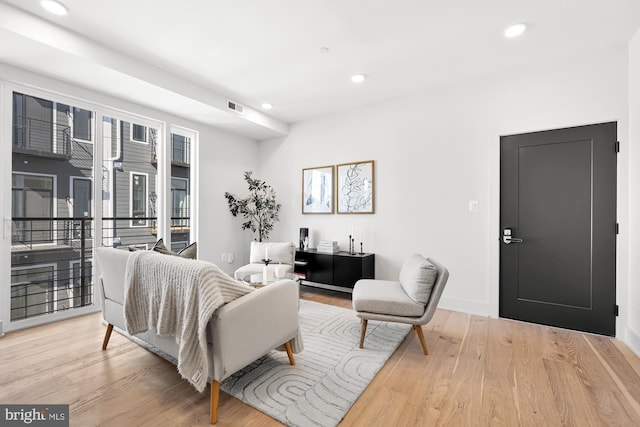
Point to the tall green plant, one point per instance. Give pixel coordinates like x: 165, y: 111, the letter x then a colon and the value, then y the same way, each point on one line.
x: 259, y: 209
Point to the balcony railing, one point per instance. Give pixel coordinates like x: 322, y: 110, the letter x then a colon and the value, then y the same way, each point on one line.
x: 42, y: 138
x: 51, y: 258
x: 51, y: 267
x: 118, y: 232
x: 35, y: 233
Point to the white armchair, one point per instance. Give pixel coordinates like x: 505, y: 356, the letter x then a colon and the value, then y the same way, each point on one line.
x: 279, y: 252
x: 412, y: 299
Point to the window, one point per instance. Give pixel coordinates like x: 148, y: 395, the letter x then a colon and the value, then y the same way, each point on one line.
x: 138, y: 133
x: 81, y: 197
x: 82, y: 124
x: 56, y: 141
x: 18, y: 134
x: 32, y: 292
x: 179, y: 201
x: 180, y: 146
x: 178, y: 246
x: 33, y: 123
x: 181, y: 227
x: 81, y: 205
x: 32, y: 196
x: 139, y: 192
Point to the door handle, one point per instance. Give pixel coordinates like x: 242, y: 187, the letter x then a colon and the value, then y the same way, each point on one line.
x: 508, y: 238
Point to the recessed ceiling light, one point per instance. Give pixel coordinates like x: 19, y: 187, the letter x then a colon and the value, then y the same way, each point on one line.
x: 515, y: 30
x: 358, y: 78
x: 267, y: 106
x: 54, y: 7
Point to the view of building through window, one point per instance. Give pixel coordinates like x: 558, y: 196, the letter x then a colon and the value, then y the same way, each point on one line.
x: 53, y: 203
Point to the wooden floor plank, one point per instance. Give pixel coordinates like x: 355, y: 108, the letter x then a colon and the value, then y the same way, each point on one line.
x: 499, y: 406
x: 479, y: 371
x: 465, y: 391
x: 619, y: 363
x: 571, y: 397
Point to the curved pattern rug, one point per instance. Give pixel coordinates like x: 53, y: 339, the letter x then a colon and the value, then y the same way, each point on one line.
x: 329, y: 375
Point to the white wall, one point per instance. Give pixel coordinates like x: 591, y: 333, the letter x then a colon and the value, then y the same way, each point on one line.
x: 223, y: 161
x: 633, y: 332
x: 437, y: 150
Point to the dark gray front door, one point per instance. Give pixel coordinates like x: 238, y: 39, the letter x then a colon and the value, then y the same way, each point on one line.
x: 558, y: 196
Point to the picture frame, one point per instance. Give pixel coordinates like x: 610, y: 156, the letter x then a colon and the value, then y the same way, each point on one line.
x: 317, y: 190
x: 355, y: 188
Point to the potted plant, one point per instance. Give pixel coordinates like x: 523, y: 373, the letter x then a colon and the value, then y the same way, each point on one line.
x: 259, y: 209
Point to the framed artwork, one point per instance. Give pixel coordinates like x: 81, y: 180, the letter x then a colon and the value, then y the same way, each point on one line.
x: 317, y: 190
x: 355, y: 188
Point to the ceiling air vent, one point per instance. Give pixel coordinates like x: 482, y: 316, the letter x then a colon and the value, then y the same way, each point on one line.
x: 234, y: 106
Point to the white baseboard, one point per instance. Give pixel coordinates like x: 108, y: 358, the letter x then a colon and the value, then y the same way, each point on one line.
x: 325, y: 286
x: 465, y: 305
x: 633, y: 341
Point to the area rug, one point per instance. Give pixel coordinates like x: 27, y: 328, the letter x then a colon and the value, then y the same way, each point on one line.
x: 329, y: 375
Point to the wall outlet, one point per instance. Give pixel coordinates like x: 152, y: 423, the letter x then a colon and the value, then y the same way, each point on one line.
x: 230, y: 257
x: 223, y: 257
x: 473, y: 206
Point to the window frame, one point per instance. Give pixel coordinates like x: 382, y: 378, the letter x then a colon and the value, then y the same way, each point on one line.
x: 54, y: 204
x: 146, y: 133
x: 92, y: 124
x: 187, y: 199
x: 185, y: 152
x: 72, y: 189
x: 146, y: 201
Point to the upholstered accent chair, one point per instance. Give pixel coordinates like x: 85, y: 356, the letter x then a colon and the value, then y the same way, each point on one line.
x: 278, y: 252
x: 412, y: 299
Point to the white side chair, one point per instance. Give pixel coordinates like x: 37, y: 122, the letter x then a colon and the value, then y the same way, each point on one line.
x: 413, y: 299
x: 279, y: 253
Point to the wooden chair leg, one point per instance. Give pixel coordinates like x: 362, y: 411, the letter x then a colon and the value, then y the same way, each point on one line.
x: 418, y: 329
x: 287, y: 347
x: 363, y: 332
x: 107, y: 335
x: 215, y: 398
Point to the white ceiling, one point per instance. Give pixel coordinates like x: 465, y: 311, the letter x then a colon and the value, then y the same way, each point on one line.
x: 194, y: 54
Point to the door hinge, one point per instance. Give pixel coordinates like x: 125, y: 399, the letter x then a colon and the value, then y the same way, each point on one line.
x: 617, y: 228
x: 617, y: 146
x: 616, y: 310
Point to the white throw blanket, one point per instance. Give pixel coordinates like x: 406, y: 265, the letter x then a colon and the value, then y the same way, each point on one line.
x: 178, y: 296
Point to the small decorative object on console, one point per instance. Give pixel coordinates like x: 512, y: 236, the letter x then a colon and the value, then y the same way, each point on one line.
x: 328, y: 246
x: 304, y: 234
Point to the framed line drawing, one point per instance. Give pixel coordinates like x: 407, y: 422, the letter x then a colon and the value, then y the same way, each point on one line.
x: 317, y: 190
x: 355, y: 188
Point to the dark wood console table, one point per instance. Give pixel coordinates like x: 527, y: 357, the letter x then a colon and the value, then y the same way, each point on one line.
x: 339, y: 271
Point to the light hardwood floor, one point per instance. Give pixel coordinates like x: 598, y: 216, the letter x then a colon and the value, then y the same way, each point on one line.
x: 480, y: 371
